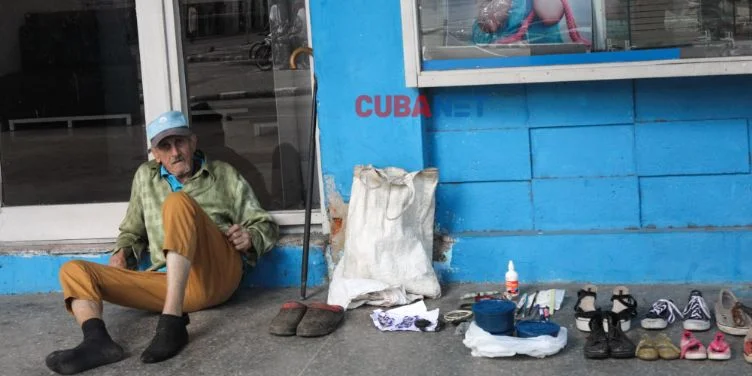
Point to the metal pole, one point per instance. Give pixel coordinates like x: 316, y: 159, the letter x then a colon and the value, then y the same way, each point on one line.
x: 311, y: 175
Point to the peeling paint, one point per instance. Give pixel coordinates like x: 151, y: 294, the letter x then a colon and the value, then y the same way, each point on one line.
x: 442, y: 247
x: 316, y: 240
x: 337, y: 220
x: 11, y: 248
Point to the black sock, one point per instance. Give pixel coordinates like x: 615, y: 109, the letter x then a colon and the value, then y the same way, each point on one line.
x: 97, y: 349
x: 170, y: 338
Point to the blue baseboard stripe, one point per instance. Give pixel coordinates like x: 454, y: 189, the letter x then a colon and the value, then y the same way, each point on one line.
x: 29, y: 274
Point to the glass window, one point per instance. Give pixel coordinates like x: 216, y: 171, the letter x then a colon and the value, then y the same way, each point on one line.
x: 468, y: 34
x: 71, y: 114
x: 248, y: 107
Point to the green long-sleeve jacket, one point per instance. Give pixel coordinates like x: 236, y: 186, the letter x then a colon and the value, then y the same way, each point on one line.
x: 217, y: 187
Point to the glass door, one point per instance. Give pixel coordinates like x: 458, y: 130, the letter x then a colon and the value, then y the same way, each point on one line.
x: 80, y: 79
x: 71, y: 114
x: 248, y: 107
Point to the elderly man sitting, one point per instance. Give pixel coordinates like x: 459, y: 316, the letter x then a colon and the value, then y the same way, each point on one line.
x: 199, y: 218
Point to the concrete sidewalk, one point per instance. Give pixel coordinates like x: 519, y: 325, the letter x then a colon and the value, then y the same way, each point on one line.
x: 233, y: 340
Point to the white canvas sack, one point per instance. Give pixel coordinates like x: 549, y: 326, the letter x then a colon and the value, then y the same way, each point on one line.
x: 388, y: 239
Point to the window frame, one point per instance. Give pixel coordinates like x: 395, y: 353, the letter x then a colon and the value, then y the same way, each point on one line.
x: 415, y: 77
x: 164, y: 87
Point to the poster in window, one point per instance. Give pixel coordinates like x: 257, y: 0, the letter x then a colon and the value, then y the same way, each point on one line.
x: 533, y: 22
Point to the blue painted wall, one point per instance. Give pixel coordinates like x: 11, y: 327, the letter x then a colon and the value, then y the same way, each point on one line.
x: 621, y: 181
x: 631, y: 181
x: 357, y: 51
x: 25, y: 274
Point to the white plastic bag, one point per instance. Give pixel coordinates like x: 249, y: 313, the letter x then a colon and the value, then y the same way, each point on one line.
x: 484, y: 344
x: 387, y: 258
x: 354, y: 292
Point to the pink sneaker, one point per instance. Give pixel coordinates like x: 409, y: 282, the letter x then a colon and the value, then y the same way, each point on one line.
x: 719, y: 349
x: 691, y: 348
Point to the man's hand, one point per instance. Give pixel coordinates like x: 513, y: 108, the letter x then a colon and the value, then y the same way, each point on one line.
x: 240, y: 238
x: 118, y: 260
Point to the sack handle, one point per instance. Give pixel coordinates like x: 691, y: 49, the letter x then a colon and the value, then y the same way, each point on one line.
x: 406, y: 180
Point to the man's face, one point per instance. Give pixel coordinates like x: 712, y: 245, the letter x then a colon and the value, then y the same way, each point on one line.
x: 175, y: 153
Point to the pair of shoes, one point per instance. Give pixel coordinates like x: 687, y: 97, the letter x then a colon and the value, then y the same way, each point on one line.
x: 730, y: 315
x: 656, y: 348
x: 607, y: 339
x: 312, y: 320
x: 696, y: 313
x: 662, y: 313
x: 624, y: 306
x: 693, y: 349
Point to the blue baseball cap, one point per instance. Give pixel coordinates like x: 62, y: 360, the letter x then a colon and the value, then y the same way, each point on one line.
x: 170, y: 123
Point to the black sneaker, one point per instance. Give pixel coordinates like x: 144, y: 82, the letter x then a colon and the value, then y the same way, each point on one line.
x: 662, y: 313
x: 696, y: 313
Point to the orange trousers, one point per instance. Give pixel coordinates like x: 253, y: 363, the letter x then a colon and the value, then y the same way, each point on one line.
x: 216, y: 266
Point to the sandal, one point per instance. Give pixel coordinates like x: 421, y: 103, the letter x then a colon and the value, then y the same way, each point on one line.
x: 666, y: 349
x: 624, y: 306
x: 646, y: 349
x: 691, y: 347
x: 719, y: 349
x: 585, y: 307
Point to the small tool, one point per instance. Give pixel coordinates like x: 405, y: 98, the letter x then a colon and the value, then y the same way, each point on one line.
x: 473, y: 295
x: 521, y: 304
x: 532, y: 303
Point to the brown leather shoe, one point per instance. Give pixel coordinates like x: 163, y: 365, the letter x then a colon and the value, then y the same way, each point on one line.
x: 287, y: 320
x: 320, y: 319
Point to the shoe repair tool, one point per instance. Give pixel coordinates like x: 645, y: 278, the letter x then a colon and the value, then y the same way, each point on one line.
x: 473, y: 295
x: 537, y: 314
x: 311, y: 172
x: 521, y: 304
x: 532, y: 303
x: 457, y: 316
